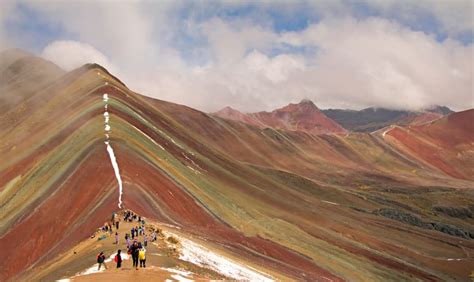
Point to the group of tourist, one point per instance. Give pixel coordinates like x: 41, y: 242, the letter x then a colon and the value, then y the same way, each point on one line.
x: 135, y: 248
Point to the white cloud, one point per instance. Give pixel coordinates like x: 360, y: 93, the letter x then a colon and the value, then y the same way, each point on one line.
x: 454, y: 16
x: 372, y: 62
x: 211, y: 62
x: 69, y: 55
x: 379, y: 62
x: 7, y: 14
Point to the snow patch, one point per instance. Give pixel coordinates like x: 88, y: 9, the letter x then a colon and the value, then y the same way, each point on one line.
x: 113, y: 159
x: 194, y: 170
x: 95, y: 267
x: 180, y: 278
x: 454, y: 259
x: 149, y: 138
x: 179, y: 274
x: 387, y: 130
x: 110, y: 150
x: 177, y: 271
x: 328, y: 202
x: 199, y: 255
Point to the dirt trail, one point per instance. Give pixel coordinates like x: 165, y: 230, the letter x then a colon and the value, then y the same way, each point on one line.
x: 162, y: 262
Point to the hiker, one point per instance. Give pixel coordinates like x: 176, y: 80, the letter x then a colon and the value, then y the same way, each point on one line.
x: 153, y: 236
x: 118, y: 259
x: 145, y: 240
x: 101, y: 260
x: 141, y: 256
x: 140, y: 230
x: 116, y: 238
x: 136, y: 231
x: 128, y: 242
x: 134, y: 252
x: 133, y: 233
x: 117, y: 225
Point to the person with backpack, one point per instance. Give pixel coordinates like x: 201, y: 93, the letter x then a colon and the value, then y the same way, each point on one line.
x: 118, y: 259
x: 101, y: 260
x: 141, y: 256
x: 116, y: 238
x: 134, y: 249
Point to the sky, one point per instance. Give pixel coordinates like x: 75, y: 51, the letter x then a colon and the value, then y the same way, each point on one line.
x: 260, y: 55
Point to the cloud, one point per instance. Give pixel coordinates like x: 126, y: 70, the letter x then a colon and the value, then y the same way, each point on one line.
x: 357, y: 63
x: 213, y: 54
x: 7, y: 40
x: 69, y: 55
x: 454, y: 17
x: 379, y: 62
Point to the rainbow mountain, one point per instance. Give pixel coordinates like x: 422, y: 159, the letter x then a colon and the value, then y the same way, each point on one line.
x: 395, y: 204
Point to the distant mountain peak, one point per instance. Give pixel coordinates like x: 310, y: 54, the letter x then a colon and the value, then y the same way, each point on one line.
x: 306, y: 101
x: 227, y: 109
x: 439, y: 109
x: 308, y: 104
x: 235, y: 115
x: 305, y: 106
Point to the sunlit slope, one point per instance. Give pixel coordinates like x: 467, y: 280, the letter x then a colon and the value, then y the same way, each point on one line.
x: 289, y: 202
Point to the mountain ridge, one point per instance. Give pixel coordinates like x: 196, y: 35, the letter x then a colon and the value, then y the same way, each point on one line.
x: 304, y: 116
x: 339, y: 121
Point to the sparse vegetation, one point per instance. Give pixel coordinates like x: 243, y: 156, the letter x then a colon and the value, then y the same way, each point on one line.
x: 172, y: 240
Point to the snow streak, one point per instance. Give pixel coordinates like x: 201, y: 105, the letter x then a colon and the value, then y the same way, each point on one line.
x: 110, y: 150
